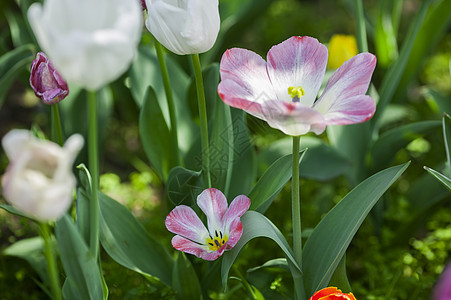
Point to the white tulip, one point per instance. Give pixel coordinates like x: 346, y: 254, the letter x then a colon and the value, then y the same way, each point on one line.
x: 184, y: 26
x: 39, y: 180
x: 90, y: 42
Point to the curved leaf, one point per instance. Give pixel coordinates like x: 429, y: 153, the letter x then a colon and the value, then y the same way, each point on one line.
x: 185, y: 279
x: 331, y: 237
x: 183, y: 186
x: 129, y: 244
x: 256, y: 225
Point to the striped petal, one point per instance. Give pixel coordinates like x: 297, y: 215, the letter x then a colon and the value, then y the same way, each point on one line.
x: 183, y: 221
x: 343, y: 100
x: 293, y: 118
x: 247, y: 71
x: 298, y: 61
x: 214, y: 205
x: 201, y: 251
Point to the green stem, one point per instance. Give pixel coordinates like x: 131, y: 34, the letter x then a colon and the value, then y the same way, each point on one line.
x: 51, y: 261
x: 296, y: 203
x: 203, y: 118
x: 361, y: 27
x: 57, y: 129
x: 169, y: 96
x: 94, y: 170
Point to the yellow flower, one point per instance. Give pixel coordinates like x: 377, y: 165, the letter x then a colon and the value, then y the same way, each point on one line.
x: 341, y: 48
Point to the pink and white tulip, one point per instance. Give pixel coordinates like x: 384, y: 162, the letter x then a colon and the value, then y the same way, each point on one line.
x: 283, y: 90
x: 224, y: 225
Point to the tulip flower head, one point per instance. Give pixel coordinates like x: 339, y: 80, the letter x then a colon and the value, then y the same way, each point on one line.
x: 224, y: 225
x: 331, y: 293
x: 184, y: 27
x: 442, y: 290
x: 90, y: 42
x: 46, y: 81
x: 341, y: 48
x: 282, y: 90
x: 39, y: 180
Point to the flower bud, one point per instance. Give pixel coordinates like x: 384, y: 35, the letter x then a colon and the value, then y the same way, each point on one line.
x: 341, y: 48
x: 46, y: 81
x: 184, y: 27
x: 39, y: 180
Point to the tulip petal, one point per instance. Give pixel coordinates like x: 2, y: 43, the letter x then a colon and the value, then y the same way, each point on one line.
x: 214, y: 205
x: 183, y: 220
x: 247, y: 71
x: 352, y: 110
x: 298, y: 61
x: 293, y: 118
x: 351, y: 79
x: 201, y: 251
x: 15, y: 142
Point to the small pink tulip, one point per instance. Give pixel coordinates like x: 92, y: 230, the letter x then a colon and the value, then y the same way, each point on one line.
x: 46, y: 81
x: 224, y: 225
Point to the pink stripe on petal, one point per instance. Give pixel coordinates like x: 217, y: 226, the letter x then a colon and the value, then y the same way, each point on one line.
x: 352, y: 110
x: 235, y: 232
x: 214, y: 205
x: 185, y: 245
x: 298, y: 61
x: 293, y: 118
x: 228, y: 88
x: 236, y: 209
x: 351, y: 79
x: 248, y: 70
x: 183, y: 220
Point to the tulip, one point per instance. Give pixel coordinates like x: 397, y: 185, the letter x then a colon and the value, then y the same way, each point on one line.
x: 39, y: 181
x: 224, y: 225
x: 442, y: 290
x: 341, y: 48
x: 331, y: 293
x: 184, y: 27
x: 90, y: 42
x: 283, y: 90
x: 46, y: 81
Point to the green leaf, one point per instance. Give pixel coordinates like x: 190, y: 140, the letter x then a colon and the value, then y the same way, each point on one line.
x: 79, y: 264
x: 329, y: 240
x: 446, y: 127
x: 385, y: 148
x: 440, y: 177
x: 12, y: 64
x: 271, y: 183
x: 82, y: 202
x: 397, y: 69
x: 385, y: 36
x: 31, y: 250
x: 129, y: 244
x: 14, y: 211
x: 221, y: 148
x: 183, y: 186
x: 154, y: 133
x: 256, y: 225
x: 185, y: 279
x: 438, y: 101
x: 320, y: 162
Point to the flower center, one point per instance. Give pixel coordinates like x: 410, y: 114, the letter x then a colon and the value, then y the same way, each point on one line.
x: 217, y: 241
x: 296, y: 93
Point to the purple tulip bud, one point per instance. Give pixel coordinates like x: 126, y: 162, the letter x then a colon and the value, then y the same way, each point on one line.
x: 46, y: 81
x: 443, y: 288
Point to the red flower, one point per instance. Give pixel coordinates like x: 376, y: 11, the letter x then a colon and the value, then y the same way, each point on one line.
x: 331, y: 293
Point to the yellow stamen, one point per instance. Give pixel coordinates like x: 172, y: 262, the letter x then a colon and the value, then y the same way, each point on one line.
x: 296, y: 93
x: 216, y: 242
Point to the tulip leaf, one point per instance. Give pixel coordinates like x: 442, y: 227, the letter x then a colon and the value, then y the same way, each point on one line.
x: 256, y: 225
x: 12, y: 64
x: 129, y: 244
x: 271, y: 183
x: 81, y: 267
x: 443, y: 102
x: 183, y: 186
x: 440, y: 177
x: 154, y: 133
x: 221, y: 148
x: 320, y: 162
x: 14, y: 211
x: 329, y: 240
x: 385, y: 148
x: 82, y: 203
x: 446, y: 127
x: 31, y: 250
x: 185, y: 279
